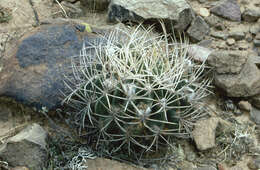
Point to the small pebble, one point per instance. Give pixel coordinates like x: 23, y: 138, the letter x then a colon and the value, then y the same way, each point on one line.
x: 244, y: 105
x: 230, y: 41
x: 204, y: 12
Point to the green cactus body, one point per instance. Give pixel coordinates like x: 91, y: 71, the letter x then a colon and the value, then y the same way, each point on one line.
x: 143, y: 91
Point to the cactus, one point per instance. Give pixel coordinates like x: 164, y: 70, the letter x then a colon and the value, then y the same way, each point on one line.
x: 137, y: 92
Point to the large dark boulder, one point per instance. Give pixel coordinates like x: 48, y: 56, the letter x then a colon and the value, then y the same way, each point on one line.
x: 33, y: 74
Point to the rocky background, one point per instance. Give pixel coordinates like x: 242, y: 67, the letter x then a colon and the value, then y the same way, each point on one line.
x: 38, y: 37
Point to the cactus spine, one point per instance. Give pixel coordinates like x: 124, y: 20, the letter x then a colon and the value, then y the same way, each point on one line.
x: 138, y: 92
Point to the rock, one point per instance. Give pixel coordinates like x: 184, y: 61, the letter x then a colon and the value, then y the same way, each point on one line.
x: 244, y: 84
x: 205, y: 168
x: 198, y: 29
x: 237, y: 35
x: 228, y: 9
x: 226, y: 62
x: 255, y: 115
x: 254, y: 164
x: 251, y: 15
x: 35, y: 71
x: 100, y: 5
x: 27, y: 148
x: 249, y: 37
x: 230, y: 41
x: 204, y: 12
x: 219, y: 35
x: 204, y: 133
x: 215, y: 21
x: 257, y: 43
x: 177, y: 11
x: 199, y: 53
x: 103, y: 163
x: 245, y: 105
x: 255, y: 101
x: 257, y: 37
x: 24, y: 14
x: 242, y: 45
x: 254, y: 29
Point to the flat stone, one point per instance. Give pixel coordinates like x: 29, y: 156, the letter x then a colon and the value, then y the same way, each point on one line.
x: 227, y: 62
x: 199, y: 53
x: 251, y: 15
x: 198, y: 29
x: 178, y: 12
x: 27, y: 148
x: 249, y: 37
x: 219, y: 35
x: 204, y: 133
x: 237, y: 35
x: 228, y: 9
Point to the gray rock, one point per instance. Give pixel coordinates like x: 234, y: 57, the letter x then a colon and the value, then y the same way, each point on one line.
x: 237, y: 35
x: 228, y: 9
x: 199, y: 53
x: 251, y: 15
x: 255, y: 115
x: 257, y: 43
x: 227, y: 62
x: 204, y: 133
x: 219, y: 35
x: 198, y: 29
x: 27, y: 148
x: 179, y: 12
x: 254, y: 29
x: 244, y: 84
x: 255, y: 101
x: 34, y: 73
x: 214, y: 21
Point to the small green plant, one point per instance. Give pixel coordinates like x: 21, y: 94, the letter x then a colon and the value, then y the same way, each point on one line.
x: 136, y: 92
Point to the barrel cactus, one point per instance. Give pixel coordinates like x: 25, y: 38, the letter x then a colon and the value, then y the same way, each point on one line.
x: 136, y: 92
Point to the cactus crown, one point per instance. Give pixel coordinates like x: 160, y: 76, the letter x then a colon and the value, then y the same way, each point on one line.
x: 137, y: 92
